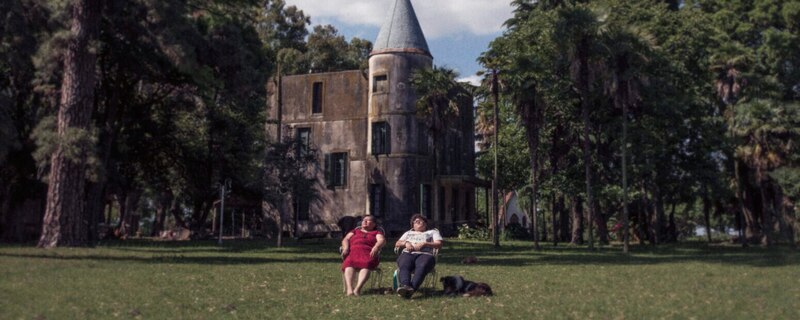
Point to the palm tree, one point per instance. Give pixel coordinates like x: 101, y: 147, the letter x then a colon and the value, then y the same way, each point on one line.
x: 438, y: 97
x: 727, y: 63
x: 628, y: 53
x: 767, y: 129
x: 578, y: 28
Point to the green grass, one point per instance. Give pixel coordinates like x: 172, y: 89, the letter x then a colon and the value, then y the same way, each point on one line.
x: 255, y: 280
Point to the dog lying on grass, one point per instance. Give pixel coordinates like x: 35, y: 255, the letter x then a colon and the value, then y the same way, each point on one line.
x: 454, y: 285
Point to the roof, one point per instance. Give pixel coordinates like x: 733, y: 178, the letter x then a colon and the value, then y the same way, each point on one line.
x: 401, y: 32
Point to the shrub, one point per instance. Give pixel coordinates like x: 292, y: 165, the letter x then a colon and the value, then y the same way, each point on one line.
x: 473, y: 233
x: 515, y: 232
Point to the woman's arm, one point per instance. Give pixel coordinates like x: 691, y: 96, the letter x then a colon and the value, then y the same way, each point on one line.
x: 346, y: 244
x: 436, y: 244
x: 378, y: 245
x: 403, y: 243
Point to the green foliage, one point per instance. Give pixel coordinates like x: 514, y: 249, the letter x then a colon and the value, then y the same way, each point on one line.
x: 465, y: 232
x: 75, y: 144
x: 328, y: 51
x: 515, y: 231
x: 513, y: 158
x: 789, y: 180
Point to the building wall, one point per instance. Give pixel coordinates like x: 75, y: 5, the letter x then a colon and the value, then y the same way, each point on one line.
x: 340, y: 127
x: 348, y: 109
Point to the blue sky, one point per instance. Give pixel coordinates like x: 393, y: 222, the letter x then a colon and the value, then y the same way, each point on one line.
x: 457, y: 31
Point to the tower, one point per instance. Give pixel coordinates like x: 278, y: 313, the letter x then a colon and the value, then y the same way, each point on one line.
x: 398, y: 162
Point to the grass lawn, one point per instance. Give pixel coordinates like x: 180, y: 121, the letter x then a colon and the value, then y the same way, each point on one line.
x: 255, y: 280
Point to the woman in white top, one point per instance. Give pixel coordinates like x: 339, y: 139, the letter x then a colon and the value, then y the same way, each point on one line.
x: 417, y: 256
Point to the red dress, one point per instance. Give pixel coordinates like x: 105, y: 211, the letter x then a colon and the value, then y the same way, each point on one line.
x: 361, y: 244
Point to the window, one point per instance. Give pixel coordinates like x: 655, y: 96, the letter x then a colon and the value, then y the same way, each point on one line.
x: 380, y: 84
x: 425, y: 200
x: 336, y: 169
x: 380, y: 138
x: 303, y: 141
x: 377, y: 199
x: 316, y: 99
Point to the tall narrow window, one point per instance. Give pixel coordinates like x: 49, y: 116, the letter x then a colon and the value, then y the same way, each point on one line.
x: 336, y: 169
x: 422, y: 140
x: 316, y: 98
x: 377, y: 199
x: 380, y: 84
x: 380, y: 138
x: 303, y: 141
x: 425, y: 200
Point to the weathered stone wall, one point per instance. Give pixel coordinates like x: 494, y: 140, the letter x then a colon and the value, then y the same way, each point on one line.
x: 349, y: 108
x: 406, y: 167
x: 340, y: 127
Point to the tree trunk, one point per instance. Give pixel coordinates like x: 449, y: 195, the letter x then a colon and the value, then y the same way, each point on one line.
x: 496, y: 97
x: 164, y: 203
x: 625, y: 214
x: 707, y: 214
x: 64, y: 222
x: 122, y: 200
x: 785, y: 223
x: 642, y: 230
x: 554, y: 214
x: 534, y: 226
x: 577, y: 221
x: 132, y: 221
x: 672, y: 228
x: 751, y: 214
x: 177, y: 215
x: 564, y: 231
x: 5, y: 210
x: 602, y: 227
x: 787, y: 209
x: 109, y: 127
x: 745, y: 215
x: 659, y: 230
x: 766, y: 217
x: 530, y: 113
x: 583, y: 88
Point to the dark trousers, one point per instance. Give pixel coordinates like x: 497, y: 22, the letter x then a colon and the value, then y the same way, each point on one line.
x: 418, y: 264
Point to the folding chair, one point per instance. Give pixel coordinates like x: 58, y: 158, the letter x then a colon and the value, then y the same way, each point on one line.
x: 376, y: 276
x: 430, y: 279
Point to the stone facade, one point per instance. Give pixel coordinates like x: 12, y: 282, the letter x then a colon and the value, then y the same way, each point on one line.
x: 375, y: 153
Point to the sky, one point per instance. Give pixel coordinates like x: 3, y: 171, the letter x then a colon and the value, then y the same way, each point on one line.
x: 457, y: 31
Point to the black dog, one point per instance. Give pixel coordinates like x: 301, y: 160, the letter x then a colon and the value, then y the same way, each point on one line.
x: 457, y: 285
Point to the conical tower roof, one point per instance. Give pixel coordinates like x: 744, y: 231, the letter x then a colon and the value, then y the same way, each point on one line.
x: 401, y: 32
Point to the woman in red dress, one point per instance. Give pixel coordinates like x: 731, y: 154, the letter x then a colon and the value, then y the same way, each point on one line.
x: 361, y: 252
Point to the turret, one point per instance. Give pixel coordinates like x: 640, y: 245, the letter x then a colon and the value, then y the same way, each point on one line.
x: 398, y: 142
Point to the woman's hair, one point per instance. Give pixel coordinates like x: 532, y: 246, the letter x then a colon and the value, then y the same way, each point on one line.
x: 418, y: 216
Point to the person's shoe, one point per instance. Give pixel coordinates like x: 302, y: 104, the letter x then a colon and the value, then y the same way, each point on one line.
x: 405, y: 291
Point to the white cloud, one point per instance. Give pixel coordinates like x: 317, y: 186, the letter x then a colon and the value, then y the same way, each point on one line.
x: 474, y: 80
x: 439, y: 18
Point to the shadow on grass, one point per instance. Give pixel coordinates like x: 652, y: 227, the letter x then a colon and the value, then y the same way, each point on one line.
x: 212, y: 260
x: 521, y: 255
x: 509, y: 254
